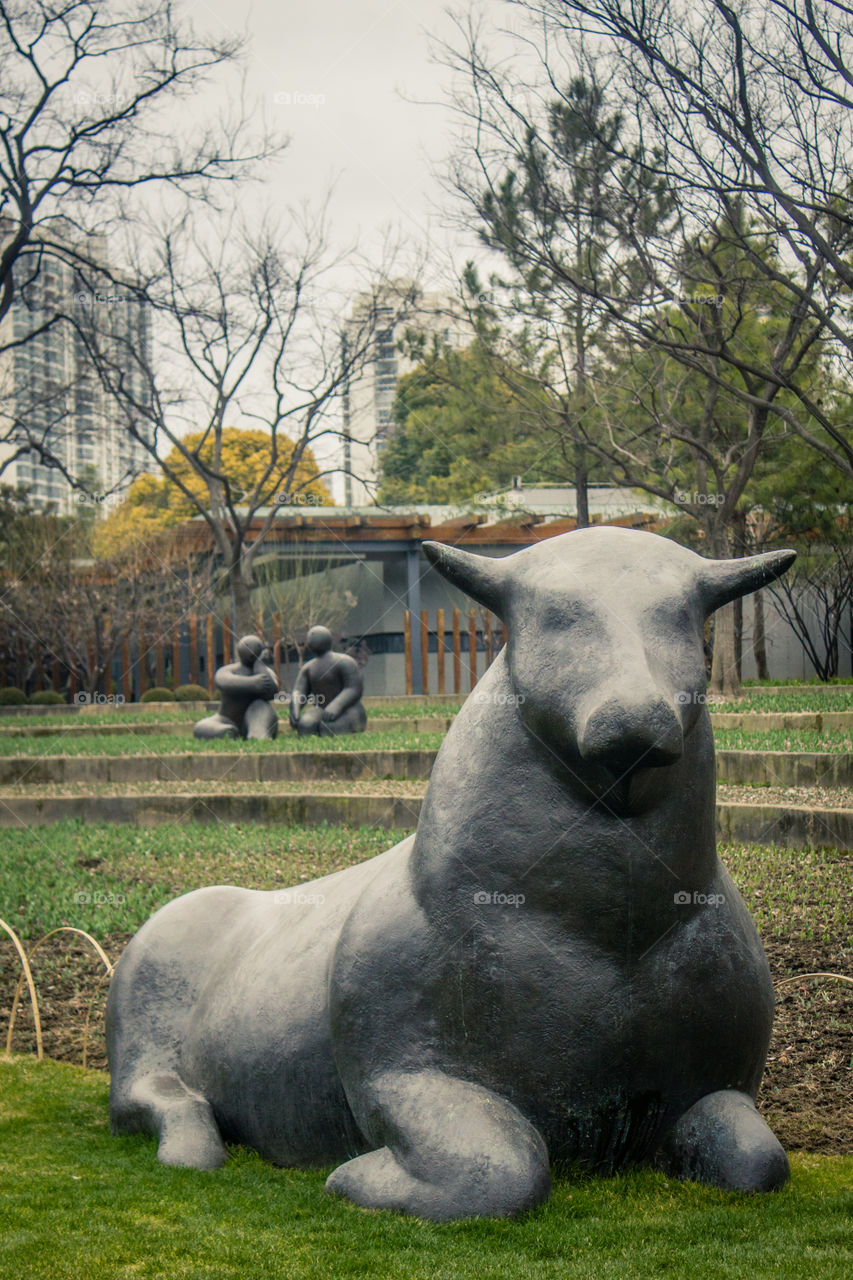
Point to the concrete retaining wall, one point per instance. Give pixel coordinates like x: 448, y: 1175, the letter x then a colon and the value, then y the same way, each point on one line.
x: 785, y: 768
x: 756, y: 768
x: 791, y: 827
x: 761, y: 824
x: 754, y: 721
x: 145, y: 811
x: 271, y: 766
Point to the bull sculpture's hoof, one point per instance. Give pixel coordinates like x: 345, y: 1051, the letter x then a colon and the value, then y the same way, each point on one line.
x: 723, y: 1141
x: 161, y: 1104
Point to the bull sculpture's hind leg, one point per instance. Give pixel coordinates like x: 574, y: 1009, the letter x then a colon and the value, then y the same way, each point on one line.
x: 161, y: 1104
x: 723, y: 1141
x: 153, y: 993
x: 452, y: 1150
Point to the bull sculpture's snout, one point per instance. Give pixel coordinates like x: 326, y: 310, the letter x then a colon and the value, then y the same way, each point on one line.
x: 623, y: 736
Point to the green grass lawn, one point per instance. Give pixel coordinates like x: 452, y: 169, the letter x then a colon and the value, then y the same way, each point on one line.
x: 80, y: 1205
x: 107, y: 879
x: 834, y: 740
x: 71, y: 744
x: 817, y: 698
x: 120, y: 744
x: 167, y: 713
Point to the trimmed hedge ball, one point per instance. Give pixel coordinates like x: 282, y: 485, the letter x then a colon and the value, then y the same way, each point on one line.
x: 158, y: 695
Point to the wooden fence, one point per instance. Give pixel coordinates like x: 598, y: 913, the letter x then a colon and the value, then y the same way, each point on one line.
x: 188, y: 654
x: 454, y: 650
x: 479, y: 636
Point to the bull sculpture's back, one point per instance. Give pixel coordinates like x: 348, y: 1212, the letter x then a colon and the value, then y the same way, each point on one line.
x: 556, y: 965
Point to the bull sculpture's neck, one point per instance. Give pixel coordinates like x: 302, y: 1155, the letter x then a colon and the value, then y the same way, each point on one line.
x: 506, y: 814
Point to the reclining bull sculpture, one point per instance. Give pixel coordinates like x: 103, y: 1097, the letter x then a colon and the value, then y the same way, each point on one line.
x: 555, y: 967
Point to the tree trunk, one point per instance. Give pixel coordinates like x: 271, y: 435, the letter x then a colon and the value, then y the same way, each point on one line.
x: 724, y: 676
x: 738, y: 608
x: 242, y: 622
x: 581, y: 487
x: 759, y: 640
x: 724, y: 666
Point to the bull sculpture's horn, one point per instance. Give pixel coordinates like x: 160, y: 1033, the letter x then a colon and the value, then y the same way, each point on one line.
x: 479, y: 576
x: 726, y: 580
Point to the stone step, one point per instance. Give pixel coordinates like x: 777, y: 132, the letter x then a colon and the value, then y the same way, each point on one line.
x: 184, y: 728
x: 750, y: 721
x: 785, y: 768
x: 754, y: 721
x: 215, y: 766
x: 756, y: 768
x: 738, y: 818
x: 245, y: 808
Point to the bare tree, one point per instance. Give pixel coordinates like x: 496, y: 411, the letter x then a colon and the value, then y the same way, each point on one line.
x: 90, y: 133
x: 249, y: 326
x: 818, y: 604
x: 745, y: 114
x: 60, y: 606
x: 719, y: 338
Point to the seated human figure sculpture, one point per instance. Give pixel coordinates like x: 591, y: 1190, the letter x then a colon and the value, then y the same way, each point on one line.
x: 326, y: 698
x: 246, y: 688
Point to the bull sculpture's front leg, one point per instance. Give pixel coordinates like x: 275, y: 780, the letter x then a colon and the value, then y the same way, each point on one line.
x: 723, y: 1141
x: 450, y: 1149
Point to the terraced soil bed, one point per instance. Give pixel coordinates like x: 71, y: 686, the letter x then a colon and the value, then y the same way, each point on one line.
x: 814, y: 797
x: 366, y: 787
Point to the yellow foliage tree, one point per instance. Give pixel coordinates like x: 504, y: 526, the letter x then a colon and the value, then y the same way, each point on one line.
x: 154, y: 503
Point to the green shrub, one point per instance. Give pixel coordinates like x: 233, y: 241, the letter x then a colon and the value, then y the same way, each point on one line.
x: 12, y: 697
x: 46, y: 698
x: 157, y: 695
x: 191, y: 693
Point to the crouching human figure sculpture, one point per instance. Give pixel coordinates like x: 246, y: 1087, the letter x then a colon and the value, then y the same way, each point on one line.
x: 326, y: 697
x: 556, y: 966
x: 246, y: 688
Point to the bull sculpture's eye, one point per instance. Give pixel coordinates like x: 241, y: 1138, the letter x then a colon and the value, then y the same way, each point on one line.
x: 559, y: 615
x: 675, y: 618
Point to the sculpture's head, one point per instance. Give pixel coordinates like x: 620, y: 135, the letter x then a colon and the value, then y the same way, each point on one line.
x: 249, y: 649
x: 605, y: 635
x: 319, y: 640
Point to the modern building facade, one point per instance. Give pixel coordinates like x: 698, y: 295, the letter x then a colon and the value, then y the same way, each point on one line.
x: 369, y: 397
x: 50, y: 391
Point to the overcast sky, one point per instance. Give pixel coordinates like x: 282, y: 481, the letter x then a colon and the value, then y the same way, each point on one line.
x: 350, y: 83
x: 339, y: 77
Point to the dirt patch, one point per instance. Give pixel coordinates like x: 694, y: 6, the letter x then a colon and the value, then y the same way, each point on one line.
x: 813, y: 797
x: 807, y: 1090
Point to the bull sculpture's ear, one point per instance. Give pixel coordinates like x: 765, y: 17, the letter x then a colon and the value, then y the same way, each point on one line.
x: 479, y: 576
x: 724, y: 580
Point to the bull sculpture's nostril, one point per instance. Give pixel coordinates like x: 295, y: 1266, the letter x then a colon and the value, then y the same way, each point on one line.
x: 629, y: 737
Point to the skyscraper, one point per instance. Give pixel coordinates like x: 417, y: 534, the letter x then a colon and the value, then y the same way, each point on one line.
x: 369, y: 396
x: 50, y: 391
